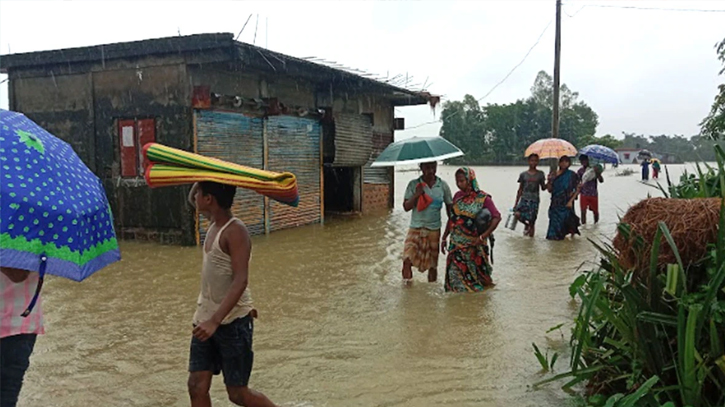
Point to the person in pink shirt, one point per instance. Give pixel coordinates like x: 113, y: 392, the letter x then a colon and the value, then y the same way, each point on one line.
x: 17, y: 333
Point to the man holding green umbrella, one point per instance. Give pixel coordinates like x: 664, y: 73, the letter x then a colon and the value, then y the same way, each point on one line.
x: 424, y: 197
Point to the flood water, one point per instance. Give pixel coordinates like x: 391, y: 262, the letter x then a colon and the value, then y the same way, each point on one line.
x: 335, y: 327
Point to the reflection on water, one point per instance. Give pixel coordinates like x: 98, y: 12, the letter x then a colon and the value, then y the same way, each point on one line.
x: 335, y: 326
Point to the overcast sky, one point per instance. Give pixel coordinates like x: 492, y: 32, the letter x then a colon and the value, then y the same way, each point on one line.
x: 643, y: 71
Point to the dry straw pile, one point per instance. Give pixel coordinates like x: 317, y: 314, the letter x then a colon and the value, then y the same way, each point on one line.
x: 692, y: 222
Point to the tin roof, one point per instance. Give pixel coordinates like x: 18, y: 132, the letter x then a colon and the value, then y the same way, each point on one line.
x: 260, y: 58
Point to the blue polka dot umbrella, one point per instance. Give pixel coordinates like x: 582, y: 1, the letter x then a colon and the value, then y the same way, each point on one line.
x: 54, y: 215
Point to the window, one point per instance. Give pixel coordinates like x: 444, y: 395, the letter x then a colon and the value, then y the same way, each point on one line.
x: 626, y: 156
x: 132, y: 136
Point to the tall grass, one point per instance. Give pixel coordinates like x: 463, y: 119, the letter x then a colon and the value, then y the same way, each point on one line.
x: 654, y: 337
x: 706, y: 183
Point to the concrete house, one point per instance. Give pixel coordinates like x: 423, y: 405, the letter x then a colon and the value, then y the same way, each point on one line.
x: 213, y: 95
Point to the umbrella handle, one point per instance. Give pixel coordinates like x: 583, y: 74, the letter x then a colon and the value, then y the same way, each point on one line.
x: 41, y: 271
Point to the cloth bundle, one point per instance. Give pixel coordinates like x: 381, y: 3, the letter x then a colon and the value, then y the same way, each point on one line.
x: 170, y: 166
x: 592, y: 172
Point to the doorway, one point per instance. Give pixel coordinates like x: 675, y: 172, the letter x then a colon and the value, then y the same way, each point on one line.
x: 342, y: 190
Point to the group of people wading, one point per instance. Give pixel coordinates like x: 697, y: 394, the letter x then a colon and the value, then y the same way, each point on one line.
x: 467, y: 240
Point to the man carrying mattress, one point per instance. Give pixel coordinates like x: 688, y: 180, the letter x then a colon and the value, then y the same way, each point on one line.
x: 223, y: 322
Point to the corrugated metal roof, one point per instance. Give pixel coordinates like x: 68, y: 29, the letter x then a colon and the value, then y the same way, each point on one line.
x: 399, y: 87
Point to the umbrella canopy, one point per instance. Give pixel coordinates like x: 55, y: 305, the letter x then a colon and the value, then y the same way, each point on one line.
x: 54, y: 215
x: 644, y: 154
x: 417, y: 150
x: 551, y: 148
x: 600, y: 153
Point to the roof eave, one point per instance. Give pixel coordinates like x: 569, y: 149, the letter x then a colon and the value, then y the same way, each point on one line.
x: 133, y: 49
x: 273, y: 62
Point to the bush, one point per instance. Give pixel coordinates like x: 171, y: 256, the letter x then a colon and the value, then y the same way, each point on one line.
x: 654, y: 341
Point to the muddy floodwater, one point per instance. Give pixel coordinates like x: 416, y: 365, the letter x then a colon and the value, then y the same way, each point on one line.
x: 335, y: 327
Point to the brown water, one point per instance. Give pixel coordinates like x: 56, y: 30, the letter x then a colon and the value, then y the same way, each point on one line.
x: 335, y: 328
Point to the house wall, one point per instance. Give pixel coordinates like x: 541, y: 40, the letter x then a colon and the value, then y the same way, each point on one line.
x: 376, y: 194
x: 631, y: 159
x: 225, y: 82
x: 378, y: 190
x: 82, y: 104
x: 161, y: 93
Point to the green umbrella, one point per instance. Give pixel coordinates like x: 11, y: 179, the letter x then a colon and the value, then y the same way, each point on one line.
x: 417, y: 150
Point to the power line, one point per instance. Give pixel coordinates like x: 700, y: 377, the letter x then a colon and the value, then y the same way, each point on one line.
x: 519, y: 64
x: 693, y: 10
x: 499, y: 83
x: 575, y: 14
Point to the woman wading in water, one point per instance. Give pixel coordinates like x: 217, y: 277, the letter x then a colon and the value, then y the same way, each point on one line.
x: 468, y: 267
x: 563, y: 187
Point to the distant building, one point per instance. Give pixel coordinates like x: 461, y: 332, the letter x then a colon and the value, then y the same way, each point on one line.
x: 211, y: 94
x: 668, y: 158
x: 628, y: 155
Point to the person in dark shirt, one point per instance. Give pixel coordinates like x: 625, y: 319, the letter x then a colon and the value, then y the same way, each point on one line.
x: 530, y: 182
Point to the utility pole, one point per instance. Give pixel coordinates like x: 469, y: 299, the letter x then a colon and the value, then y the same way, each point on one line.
x: 557, y: 73
x: 557, y: 80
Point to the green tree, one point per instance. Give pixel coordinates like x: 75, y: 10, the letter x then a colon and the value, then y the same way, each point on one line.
x: 714, y: 124
x: 463, y: 126
x: 499, y: 133
x: 632, y: 140
x: 543, y: 92
x: 607, y: 141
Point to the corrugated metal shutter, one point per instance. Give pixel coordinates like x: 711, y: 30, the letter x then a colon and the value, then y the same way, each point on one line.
x: 293, y: 144
x: 239, y: 139
x: 353, y: 140
x: 378, y: 175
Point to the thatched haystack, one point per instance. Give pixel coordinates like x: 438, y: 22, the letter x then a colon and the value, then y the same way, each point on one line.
x: 693, y: 224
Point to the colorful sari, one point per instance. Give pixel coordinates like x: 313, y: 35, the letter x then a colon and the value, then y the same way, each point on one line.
x: 562, y: 220
x: 467, y: 266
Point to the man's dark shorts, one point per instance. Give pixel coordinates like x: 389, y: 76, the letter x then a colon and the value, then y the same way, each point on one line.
x: 229, y: 351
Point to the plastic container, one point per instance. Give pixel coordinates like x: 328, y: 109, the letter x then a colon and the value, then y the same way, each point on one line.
x: 511, y: 221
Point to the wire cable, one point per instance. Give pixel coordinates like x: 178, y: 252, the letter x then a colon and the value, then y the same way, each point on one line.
x: 538, y: 40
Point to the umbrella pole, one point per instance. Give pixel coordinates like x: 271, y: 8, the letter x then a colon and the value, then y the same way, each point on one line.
x: 41, y: 277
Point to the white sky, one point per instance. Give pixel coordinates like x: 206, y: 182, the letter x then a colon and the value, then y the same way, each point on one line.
x: 643, y: 71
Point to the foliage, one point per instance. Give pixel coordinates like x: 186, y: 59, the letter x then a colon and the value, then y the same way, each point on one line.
x: 606, y: 140
x: 682, y: 149
x: 657, y: 339
x: 499, y: 133
x: 706, y: 183
x: 543, y: 358
x: 713, y: 126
